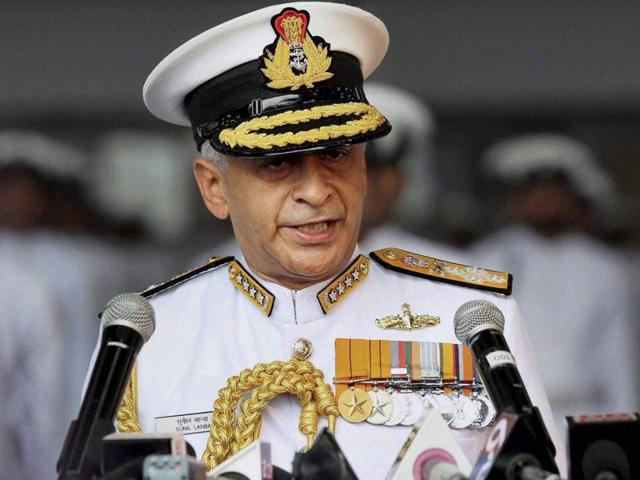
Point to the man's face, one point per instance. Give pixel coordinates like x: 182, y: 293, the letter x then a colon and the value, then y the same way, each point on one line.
x: 295, y: 217
x: 547, y: 204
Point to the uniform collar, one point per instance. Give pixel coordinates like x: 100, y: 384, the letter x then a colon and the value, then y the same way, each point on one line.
x: 298, y: 306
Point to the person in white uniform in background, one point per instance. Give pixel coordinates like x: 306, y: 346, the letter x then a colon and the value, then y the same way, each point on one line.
x: 573, y: 290
x: 280, y: 119
x: 401, y: 178
x: 37, y: 176
x: 30, y: 371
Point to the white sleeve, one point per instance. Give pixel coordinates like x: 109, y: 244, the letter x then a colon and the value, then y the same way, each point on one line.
x: 517, y: 337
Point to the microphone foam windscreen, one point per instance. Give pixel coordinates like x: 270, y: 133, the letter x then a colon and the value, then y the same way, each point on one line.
x: 476, y: 316
x: 131, y: 310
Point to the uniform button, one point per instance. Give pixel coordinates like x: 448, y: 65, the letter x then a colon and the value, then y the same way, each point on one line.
x: 391, y: 255
x: 302, y: 349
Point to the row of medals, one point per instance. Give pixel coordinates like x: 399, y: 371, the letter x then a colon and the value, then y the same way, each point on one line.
x: 399, y: 407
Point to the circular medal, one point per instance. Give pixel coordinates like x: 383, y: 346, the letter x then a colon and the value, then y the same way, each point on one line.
x: 445, y: 406
x: 481, y: 411
x: 354, y: 405
x: 465, y: 412
x: 415, y: 407
x: 428, y: 401
x: 399, y: 410
x: 486, y: 412
x: 381, y: 407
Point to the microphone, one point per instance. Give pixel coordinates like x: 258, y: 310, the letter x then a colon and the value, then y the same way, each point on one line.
x: 437, y: 464
x: 479, y: 324
x: 604, y: 446
x: 325, y: 459
x: 251, y: 463
x: 128, y: 321
x: 119, y: 449
x: 430, y: 452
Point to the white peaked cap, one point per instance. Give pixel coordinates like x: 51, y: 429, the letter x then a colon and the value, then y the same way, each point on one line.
x: 41, y: 153
x: 514, y: 159
x: 347, y: 29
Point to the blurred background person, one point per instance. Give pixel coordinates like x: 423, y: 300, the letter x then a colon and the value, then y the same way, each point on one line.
x: 45, y: 219
x: 30, y: 369
x: 79, y: 230
x: 133, y: 175
x: 573, y: 290
x: 402, y: 181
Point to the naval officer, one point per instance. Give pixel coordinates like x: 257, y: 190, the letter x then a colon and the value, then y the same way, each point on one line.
x: 280, y: 120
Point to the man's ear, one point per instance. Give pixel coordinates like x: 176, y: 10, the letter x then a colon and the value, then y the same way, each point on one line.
x: 211, y: 182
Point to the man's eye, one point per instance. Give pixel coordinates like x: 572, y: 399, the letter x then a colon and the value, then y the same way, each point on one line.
x: 335, y: 153
x: 277, y: 164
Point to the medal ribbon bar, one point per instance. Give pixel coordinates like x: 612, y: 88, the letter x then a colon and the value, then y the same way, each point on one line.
x: 439, y: 374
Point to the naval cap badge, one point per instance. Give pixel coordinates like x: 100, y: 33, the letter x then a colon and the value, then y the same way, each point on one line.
x: 407, y: 320
x: 296, y: 58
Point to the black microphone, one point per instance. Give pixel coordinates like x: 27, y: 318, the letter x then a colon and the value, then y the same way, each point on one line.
x: 479, y: 324
x: 127, y: 323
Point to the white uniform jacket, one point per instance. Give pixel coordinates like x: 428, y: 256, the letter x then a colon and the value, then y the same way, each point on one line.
x: 207, y: 329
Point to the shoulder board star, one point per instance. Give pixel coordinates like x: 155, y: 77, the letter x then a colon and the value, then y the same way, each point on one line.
x: 251, y: 288
x: 212, y: 264
x: 443, y: 271
x: 341, y: 286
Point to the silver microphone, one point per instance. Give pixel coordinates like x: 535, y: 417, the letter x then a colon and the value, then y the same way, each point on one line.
x: 130, y: 310
x: 128, y: 321
x: 477, y: 316
x: 479, y: 324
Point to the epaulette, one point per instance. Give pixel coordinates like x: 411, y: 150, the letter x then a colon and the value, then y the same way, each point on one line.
x: 443, y: 271
x: 213, y: 262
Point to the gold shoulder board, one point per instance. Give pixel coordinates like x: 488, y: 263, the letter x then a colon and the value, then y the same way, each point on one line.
x: 213, y: 262
x: 443, y: 271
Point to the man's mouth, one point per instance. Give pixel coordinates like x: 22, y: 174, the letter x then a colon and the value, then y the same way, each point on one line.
x: 314, y: 232
x: 314, y: 228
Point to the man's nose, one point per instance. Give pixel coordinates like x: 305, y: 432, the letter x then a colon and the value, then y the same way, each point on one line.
x: 313, y: 185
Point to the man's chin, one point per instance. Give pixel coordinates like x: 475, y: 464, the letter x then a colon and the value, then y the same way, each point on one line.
x: 317, y: 267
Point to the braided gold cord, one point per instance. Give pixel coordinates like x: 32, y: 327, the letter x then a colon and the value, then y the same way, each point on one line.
x: 309, y: 422
x: 247, y: 133
x: 127, y: 417
x: 267, y: 381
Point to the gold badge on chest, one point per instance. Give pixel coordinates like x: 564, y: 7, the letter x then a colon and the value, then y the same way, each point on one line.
x: 355, y: 405
x: 407, y: 320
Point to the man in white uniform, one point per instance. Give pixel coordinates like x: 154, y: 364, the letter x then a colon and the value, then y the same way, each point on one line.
x: 282, y: 156
x: 574, y: 291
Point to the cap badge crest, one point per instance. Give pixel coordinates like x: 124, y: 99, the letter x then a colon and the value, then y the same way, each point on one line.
x: 296, y: 58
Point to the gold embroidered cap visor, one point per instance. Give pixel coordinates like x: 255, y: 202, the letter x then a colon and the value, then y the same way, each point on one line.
x: 283, y: 79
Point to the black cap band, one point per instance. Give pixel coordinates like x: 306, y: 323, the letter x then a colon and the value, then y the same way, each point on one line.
x: 241, y: 94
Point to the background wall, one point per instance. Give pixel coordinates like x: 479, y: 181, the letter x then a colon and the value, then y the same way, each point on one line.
x: 488, y: 69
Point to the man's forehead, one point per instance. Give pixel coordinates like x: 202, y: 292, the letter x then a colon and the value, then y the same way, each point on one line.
x: 299, y: 154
